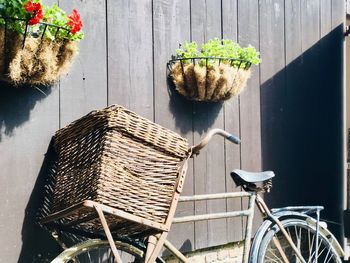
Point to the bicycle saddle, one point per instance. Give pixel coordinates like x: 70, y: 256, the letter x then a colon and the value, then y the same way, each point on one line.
x: 248, y: 180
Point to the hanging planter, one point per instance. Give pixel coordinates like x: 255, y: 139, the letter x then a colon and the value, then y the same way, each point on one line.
x: 216, y: 73
x: 37, y: 43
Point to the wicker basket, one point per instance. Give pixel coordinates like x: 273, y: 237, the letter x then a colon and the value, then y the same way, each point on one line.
x: 33, y: 59
x: 216, y: 79
x: 117, y: 158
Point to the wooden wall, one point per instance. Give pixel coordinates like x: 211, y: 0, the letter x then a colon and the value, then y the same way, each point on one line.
x: 302, y: 105
x: 123, y: 60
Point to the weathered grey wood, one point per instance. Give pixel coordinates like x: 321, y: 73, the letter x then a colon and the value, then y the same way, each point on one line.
x: 310, y: 20
x: 309, y: 103
x: 232, y: 125
x: 209, y: 167
x: 335, y: 46
x: 85, y: 86
x: 338, y: 7
x: 130, y: 55
x: 170, y: 27
x: 27, y: 121
x: 272, y: 80
x: 325, y: 17
x: 248, y: 33
x: 293, y: 30
x: 28, y: 118
x: 301, y: 94
x: 291, y: 89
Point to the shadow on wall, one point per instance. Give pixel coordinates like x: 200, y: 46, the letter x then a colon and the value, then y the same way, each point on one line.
x: 37, y: 243
x: 16, y: 104
x: 191, y: 115
x: 302, y: 130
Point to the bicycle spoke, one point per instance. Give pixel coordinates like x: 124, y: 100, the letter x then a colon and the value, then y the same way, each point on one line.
x: 328, y: 255
x: 308, y: 239
x: 278, y: 245
x: 89, y: 257
x: 288, y: 231
x: 110, y: 256
x: 296, y: 233
x: 330, y: 259
x: 314, y: 252
x: 299, y: 243
x: 275, y: 256
x: 320, y: 253
x: 274, y: 260
x: 310, y: 248
x: 303, y: 236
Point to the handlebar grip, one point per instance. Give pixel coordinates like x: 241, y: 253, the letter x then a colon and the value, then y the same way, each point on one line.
x: 233, y: 138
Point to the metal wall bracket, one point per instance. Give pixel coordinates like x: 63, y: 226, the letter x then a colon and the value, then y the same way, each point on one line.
x: 347, y: 31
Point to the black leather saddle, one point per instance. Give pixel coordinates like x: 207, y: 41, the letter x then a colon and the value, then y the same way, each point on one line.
x: 248, y: 180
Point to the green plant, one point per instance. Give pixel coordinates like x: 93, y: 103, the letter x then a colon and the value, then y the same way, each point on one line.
x: 13, y: 8
x: 188, y: 50
x: 19, y: 13
x: 226, y: 50
x: 250, y: 54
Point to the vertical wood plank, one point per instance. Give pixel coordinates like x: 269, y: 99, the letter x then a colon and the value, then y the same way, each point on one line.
x: 209, y: 166
x: 293, y: 30
x: 248, y: 33
x: 338, y: 11
x: 232, y: 125
x: 336, y: 103
x: 272, y: 83
x: 330, y: 54
x: 130, y: 55
x: 85, y: 86
x: 171, y: 26
x: 310, y: 19
x: 325, y: 17
x: 272, y: 22
x: 309, y: 103
x: 292, y: 93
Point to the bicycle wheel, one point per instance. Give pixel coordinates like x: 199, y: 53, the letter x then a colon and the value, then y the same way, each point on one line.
x: 96, y: 250
x: 303, y: 236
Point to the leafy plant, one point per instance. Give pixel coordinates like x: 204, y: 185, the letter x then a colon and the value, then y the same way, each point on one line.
x: 250, y: 54
x: 188, y: 50
x: 226, y: 50
x: 19, y: 13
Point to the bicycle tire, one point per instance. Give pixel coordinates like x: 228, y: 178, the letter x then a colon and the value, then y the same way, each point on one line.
x: 303, y: 235
x: 97, y: 250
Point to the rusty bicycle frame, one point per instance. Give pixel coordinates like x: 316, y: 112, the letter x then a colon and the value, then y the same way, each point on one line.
x: 156, y: 242
x: 253, y: 198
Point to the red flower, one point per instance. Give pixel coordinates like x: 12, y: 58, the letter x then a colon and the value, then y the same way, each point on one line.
x: 36, y: 11
x: 75, y: 22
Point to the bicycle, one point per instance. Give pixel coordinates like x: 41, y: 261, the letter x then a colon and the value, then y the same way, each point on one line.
x: 288, y: 234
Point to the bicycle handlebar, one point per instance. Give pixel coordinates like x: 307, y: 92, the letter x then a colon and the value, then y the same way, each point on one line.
x: 208, y: 137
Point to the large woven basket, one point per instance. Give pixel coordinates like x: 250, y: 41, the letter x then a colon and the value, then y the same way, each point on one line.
x: 117, y: 158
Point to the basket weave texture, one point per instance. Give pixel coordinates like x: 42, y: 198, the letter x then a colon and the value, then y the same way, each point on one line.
x: 117, y: 158
x: 34, y: 60
x: 209, y: 83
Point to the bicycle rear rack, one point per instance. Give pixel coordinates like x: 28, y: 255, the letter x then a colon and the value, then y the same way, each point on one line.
x: 306, y: 210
